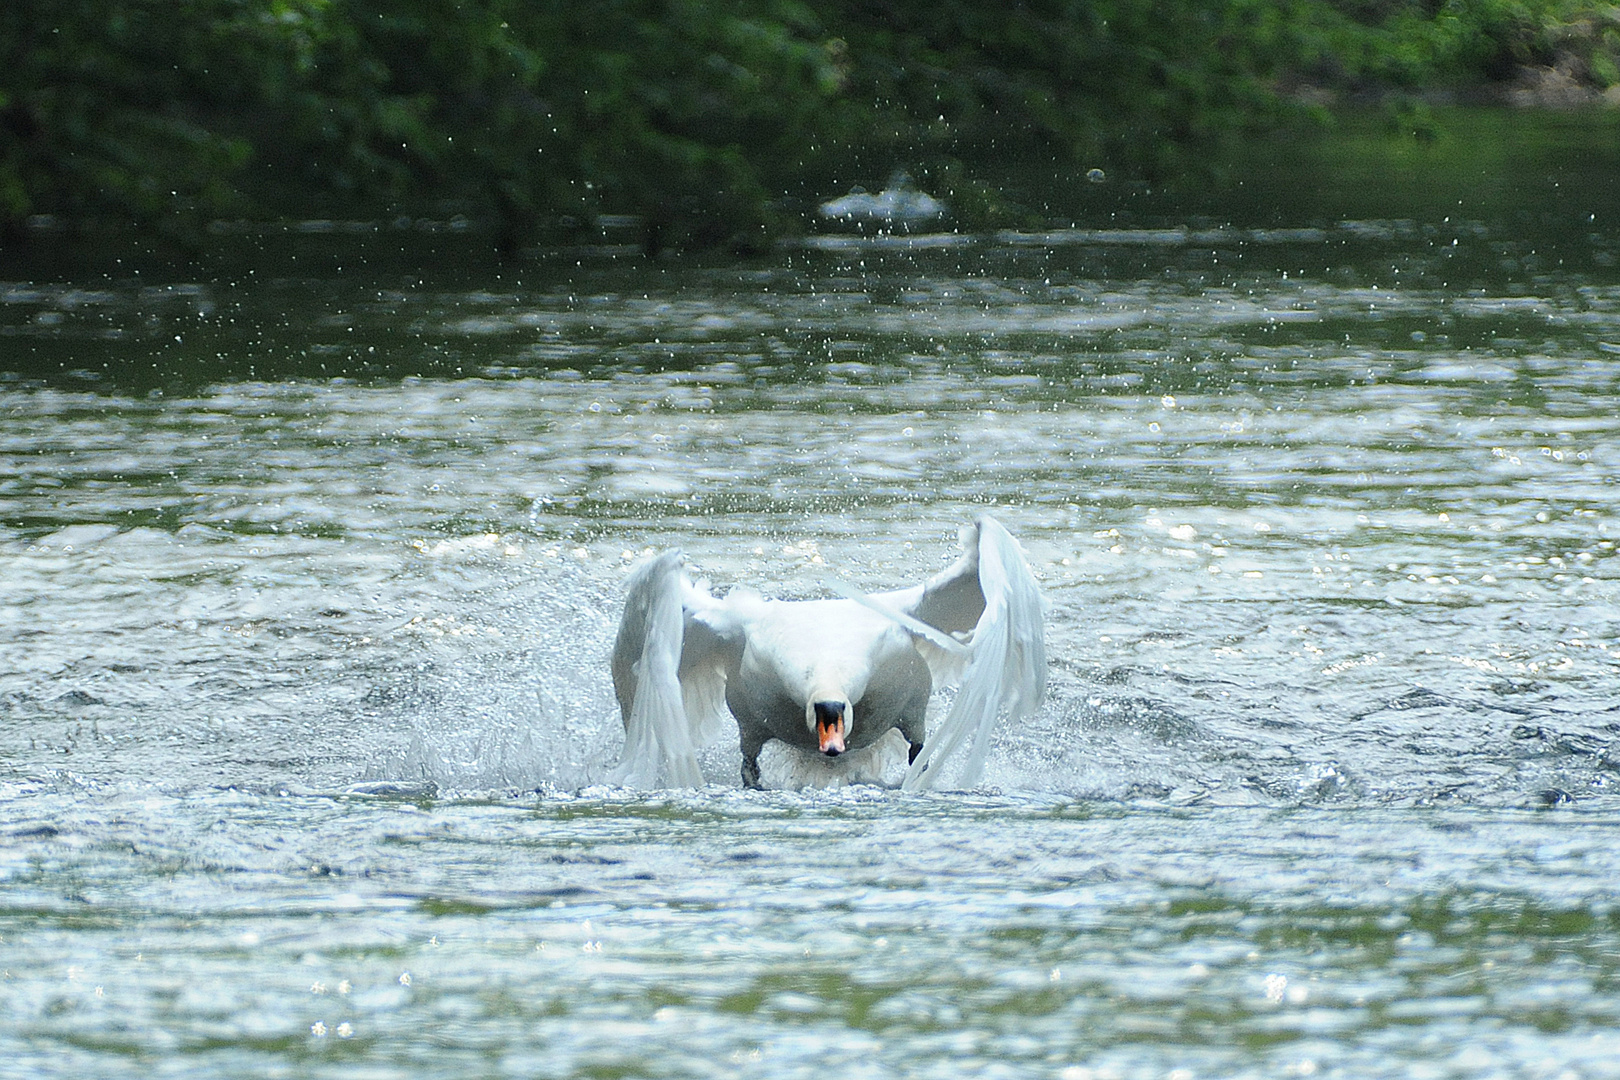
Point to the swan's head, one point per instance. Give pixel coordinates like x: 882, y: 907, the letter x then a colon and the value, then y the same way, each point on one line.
x: 830, y: 720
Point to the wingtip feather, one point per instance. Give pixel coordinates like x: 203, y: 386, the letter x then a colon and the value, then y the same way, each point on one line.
x: 1007, y: 671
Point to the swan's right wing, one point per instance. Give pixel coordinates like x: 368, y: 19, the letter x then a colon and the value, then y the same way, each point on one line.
x: 674, y: 646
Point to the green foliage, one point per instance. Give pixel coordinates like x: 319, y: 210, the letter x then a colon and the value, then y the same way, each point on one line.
x: 1437, y: 43
x: 1129, y: 82
x: 97, y: 109
x: 714, y: 120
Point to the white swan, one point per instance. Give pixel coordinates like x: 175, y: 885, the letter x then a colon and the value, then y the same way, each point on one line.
x: 828, y: 676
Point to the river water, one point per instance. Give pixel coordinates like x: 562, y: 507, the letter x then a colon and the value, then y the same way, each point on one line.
x: 311, y: 561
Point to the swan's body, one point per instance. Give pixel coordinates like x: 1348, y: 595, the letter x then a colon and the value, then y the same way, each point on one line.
x: 827, y: 676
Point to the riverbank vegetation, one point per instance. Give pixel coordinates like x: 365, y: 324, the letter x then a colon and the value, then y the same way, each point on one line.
x: 711, y: 123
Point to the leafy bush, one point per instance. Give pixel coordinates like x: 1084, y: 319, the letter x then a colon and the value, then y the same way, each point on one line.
x: 712, y: 121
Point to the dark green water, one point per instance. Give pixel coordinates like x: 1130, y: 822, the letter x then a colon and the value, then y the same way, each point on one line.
x: 1325, y: 505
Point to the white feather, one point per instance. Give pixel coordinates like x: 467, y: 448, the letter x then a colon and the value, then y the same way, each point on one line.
x: 1007, y: 671
x: 930, y: 634
x: 657, y: 731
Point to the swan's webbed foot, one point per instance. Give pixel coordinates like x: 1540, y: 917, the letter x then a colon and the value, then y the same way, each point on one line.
x: 750, y: 774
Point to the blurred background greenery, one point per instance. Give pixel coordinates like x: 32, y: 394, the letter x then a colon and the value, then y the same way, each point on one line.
x: 714, y: 124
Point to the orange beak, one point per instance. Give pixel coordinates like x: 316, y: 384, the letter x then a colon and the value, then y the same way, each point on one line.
x: 830, y: 726
x: 830, y: 733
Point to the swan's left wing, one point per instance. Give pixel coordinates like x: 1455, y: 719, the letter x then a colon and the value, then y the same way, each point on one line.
x: 674, y: 646
x: 991, y: 593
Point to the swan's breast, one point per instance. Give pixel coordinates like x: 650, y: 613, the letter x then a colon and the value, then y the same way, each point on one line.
x: 803, y: 645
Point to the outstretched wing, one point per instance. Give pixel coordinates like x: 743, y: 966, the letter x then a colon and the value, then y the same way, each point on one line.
x: 674, y: 646
x: 990, y: 593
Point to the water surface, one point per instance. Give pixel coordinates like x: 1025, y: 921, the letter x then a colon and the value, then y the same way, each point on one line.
x: 1325, y: 783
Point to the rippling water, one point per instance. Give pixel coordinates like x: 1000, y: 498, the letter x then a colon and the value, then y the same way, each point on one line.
x: 1325, y: 784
